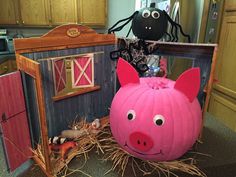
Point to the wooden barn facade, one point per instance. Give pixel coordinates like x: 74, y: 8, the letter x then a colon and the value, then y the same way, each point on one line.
x: 51, y: 66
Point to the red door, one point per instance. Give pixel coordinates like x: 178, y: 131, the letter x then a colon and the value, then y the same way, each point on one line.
x: 83, y: 71
x: 13, y: 119
x: 59, y: 70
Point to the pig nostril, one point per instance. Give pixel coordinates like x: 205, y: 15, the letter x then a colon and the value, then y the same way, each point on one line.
x: 141, y: 141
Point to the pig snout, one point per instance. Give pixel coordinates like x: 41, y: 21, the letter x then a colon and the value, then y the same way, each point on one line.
x: 141, y: 141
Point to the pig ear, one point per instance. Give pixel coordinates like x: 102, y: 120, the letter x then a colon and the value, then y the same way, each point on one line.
x: 189, y: 83
x: 126, y: 73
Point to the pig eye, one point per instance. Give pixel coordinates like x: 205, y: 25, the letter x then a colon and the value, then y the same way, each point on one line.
x: 131, y: 115
x: 158, y: 120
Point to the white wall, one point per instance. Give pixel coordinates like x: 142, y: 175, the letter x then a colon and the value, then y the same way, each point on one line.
x: 120, y: 9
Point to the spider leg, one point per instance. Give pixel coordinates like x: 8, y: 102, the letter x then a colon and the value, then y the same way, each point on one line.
x: 172, y: 32
x: 176, y: 25
x: 175, y: 33
x: 129, y: 31
x: 184, y: 34
x: 114, y: 28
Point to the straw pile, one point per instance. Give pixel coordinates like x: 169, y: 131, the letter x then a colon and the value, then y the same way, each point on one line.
x: 122, y: 160
x: 87, y: 141
x: 103, y: 142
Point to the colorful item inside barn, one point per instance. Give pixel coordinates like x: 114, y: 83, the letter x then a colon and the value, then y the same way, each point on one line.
x: 72, y: 102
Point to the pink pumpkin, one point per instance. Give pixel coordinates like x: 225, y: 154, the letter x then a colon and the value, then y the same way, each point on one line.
x: 156, y: 118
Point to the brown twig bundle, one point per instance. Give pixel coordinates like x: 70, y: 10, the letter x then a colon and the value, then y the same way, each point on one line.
x: 38, y: 153
x: 121, y: 159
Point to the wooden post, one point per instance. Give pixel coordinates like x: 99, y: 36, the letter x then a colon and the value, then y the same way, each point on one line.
x: 209, y: 87
x: 43, y: 121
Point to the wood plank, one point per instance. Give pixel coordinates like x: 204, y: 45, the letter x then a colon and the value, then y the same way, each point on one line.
x: 223, y: 109
x: 42, y: 119
x: 209, y: 87
x: 13, y: 120
x: 63, y: 12
x: 230, y: 5
x: 27, y: 65
x: 10, y: 91
x: 16, y: 138
x: 64, y: 37
x: 33, y: 12
x: 185, y: 49
x: 77, y: 92
x: 62, y: 30
x: 226, y: 61
x: 225, y: 90
x: 86, y: 11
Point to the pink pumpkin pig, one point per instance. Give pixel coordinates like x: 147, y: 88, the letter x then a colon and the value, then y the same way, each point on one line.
x: 156, y: 118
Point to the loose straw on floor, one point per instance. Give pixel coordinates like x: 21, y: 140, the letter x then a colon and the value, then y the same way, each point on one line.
x: 120, y: 159
x: 103, y: 142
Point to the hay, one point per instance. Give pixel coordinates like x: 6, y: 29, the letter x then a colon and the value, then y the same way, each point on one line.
x: 121, y: 159
x: 103, y: 142
x: 38, y: 153
x: 86, y: 143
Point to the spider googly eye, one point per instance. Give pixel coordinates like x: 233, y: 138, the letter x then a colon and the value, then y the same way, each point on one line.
x: 155, y: 14
x: 146, y: 13
x: 159, y: 120
x: 131, y: 115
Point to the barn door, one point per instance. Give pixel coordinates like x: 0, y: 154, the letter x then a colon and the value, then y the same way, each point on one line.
x: 13, y: 121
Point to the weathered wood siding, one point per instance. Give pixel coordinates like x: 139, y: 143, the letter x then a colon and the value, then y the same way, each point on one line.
x: 89, y: 105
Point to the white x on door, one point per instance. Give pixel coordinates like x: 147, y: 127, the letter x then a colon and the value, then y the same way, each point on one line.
x: 83, y: 71
x: 59, y: 74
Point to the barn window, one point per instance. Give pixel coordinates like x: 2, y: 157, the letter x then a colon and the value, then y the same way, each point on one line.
x: 59, y: 75
x: 83, y: 71
x: 73, y: 75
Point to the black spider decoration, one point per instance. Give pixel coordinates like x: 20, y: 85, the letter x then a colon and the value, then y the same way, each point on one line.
x: 151, y: 24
